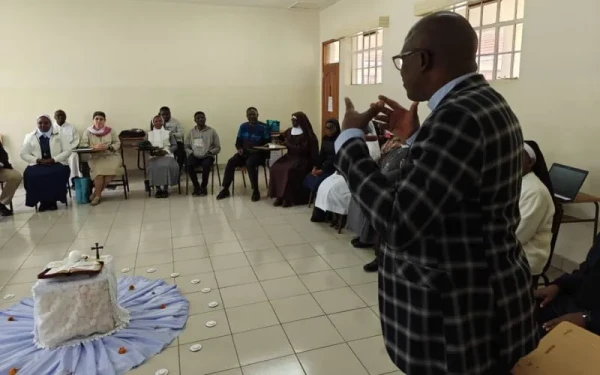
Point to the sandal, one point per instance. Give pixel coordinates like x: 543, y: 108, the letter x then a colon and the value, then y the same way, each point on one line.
x: 95, y: 201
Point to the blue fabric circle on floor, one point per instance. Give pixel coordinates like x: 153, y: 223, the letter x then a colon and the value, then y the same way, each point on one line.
x: 150, y: 330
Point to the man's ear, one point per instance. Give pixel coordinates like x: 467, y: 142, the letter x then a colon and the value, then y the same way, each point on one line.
x: 426, y: 60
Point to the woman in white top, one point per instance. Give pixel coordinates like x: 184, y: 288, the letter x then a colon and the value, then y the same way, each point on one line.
x: 537, y: 211
x: 163, y: 169
x: 47, y: 153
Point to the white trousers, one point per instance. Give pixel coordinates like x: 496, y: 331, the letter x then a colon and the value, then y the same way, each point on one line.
x: 74, y: 165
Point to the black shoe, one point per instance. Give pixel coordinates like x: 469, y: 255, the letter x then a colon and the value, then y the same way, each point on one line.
x: 5, y: 211
x: 203, y: 192
x: 197, y: 192
x: 278, y: 202
x: 255, y: 196
x: 223, y: 194
x: 371, y: 267
x: 359, y: 245
x: 42, y: 207
x: 165, y: 194
x: 52, y: 206
x: 286, y: 204
x: 318, y: 216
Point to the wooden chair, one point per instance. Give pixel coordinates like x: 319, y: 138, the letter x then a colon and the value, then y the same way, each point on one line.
x: 198, y: 169
x: 541, y: 170
x: 123, y: 181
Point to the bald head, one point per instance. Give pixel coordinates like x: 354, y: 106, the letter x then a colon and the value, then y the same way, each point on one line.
x: 437, y: 49
x: 60, y: 117
x: 449, y: 37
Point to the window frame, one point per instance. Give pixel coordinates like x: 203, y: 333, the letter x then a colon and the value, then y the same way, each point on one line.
x: 378, y: 62
x: 496, y: 26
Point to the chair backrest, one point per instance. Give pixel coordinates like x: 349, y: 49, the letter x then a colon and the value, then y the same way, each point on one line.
x: 556, y: 221
x: 541, y: 171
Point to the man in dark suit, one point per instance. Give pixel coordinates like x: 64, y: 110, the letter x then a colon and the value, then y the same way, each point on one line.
x: 11, y: 180
x: 455, y: 287
x: 574, y: 297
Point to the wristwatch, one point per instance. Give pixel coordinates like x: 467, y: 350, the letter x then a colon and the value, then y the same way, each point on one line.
x: 587, y: 317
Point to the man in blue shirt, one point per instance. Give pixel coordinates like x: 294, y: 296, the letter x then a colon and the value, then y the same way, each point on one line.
x: 251, y: 134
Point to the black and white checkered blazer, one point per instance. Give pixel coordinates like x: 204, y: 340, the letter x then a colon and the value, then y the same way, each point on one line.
x: 455, y: 291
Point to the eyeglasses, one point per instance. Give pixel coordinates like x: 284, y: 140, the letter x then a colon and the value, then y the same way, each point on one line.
x: 399, y: 59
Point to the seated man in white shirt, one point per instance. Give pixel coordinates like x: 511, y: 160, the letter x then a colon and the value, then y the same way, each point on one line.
x: 537, y: 211
x: 176, y: 130
x: 72, y: 136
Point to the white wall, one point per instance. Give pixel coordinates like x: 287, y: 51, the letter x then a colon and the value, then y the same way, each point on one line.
x: 129, y: 58
x: 556, y: 98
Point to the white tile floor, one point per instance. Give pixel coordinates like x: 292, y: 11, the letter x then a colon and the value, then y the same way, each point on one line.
x: 293, y: 298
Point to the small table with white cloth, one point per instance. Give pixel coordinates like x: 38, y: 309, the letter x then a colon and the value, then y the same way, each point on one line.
x: 75, y: 309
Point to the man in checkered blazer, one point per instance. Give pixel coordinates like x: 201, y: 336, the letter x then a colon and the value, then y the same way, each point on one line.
x: 454, y: 285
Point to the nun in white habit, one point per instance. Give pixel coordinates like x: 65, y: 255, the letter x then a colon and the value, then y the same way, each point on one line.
x: 537, y: 212
x: 163, y: 169
x: 333, y: 194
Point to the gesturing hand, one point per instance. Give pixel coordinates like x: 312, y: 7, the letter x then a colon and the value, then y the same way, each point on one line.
x: 355, y: 120
x: 402, y: 122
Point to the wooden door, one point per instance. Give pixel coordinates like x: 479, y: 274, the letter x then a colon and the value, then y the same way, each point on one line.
x: 330, y: 86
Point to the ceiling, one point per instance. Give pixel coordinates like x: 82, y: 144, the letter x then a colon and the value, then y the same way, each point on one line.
x: 279, y: 4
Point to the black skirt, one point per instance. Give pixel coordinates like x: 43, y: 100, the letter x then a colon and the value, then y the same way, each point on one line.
x: 46, y: 183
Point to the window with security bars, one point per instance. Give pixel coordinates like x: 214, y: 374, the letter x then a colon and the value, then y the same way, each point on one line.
x: 499, y: 27
x: 367, y: 58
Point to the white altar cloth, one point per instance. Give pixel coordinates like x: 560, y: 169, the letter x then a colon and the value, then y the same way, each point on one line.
x: 68, y: 311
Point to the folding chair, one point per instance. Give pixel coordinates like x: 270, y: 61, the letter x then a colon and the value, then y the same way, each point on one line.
x: 556, y: 221
x: 198, y: 169
x: 244, y: 170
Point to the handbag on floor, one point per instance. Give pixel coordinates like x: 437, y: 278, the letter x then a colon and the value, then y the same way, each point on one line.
x: 83, y: 188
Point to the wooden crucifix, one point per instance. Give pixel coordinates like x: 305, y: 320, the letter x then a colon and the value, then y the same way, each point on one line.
x: 97, y: 248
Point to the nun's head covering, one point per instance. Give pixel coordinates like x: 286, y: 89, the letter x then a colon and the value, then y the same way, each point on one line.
x: 47, y: 117
x: 531, y: 152
x: 539, y: 168
x: 44, y: 116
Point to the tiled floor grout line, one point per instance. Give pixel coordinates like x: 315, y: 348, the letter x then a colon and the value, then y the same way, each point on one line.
x: 278, y: 319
